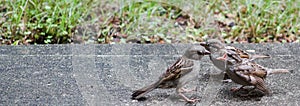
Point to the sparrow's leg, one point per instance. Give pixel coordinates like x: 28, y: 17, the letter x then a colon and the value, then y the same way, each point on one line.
x: 249, y: 92
x: 235, y: 89
x: 224, y: 57
x: 184, y: 90
x: 184, y: 97
x: 226, y: 78
x: 227, y: 81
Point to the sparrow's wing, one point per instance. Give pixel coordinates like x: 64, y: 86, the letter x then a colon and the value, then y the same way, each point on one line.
x: 181, y: 66
x: 245, y: 55
x: 250, y: 68
x: 242, y: 53
x: 243, y: 67
x: 235, y: 54
x: 239, y: 52
x: 238, y: 55
x: 255, y: 77
x: 170, y: 78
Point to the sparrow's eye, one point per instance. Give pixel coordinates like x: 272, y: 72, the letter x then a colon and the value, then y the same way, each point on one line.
x: 207, y: 44
x: 202, y: 53
x: 198, y: 52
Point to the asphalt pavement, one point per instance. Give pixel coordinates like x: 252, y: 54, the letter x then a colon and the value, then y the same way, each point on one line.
x: 106, y: 75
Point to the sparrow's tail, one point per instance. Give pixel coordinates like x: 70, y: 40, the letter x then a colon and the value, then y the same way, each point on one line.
x: 256, y: 56
x: 277, y: 71
x: 141, y: 92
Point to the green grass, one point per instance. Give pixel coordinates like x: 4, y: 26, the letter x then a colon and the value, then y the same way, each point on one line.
x: 40, y: 21
x: 262, y: 21
x: 253, y: 21
x: 150, y: 21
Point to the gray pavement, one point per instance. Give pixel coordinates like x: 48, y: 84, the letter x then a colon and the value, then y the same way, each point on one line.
x: 105, y: 75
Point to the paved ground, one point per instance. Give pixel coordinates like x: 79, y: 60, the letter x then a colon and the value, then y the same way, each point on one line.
x: 107, y: 74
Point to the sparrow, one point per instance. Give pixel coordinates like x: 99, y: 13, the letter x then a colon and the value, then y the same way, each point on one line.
x: 217, y: 49
x: 248, y: 73
x: 184, y: 70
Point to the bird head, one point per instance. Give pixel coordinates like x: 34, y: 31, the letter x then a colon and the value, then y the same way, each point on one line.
x: 213, y: 45
x: 196, y: 52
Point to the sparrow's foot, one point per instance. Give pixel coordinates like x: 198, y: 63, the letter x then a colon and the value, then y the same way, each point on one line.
x: 192, y: 100
x: 183, y: 90
x: 235, y: 89
x: 227, y: 81
x: 185, y: 99
x: 251, y: 93
x: 244, y: 95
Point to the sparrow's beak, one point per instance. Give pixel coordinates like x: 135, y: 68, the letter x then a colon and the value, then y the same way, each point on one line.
x: 205, y: 44
x: 206, y: 52
x: 223, y: 58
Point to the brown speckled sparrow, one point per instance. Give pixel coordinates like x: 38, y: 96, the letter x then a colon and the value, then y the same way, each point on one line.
x: 217, y: 49
x: 179, y: 74
x: 239, y: 65
x: 248, y: 73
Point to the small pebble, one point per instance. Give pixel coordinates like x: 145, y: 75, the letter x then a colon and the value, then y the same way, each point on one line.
x: 134, y: 101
